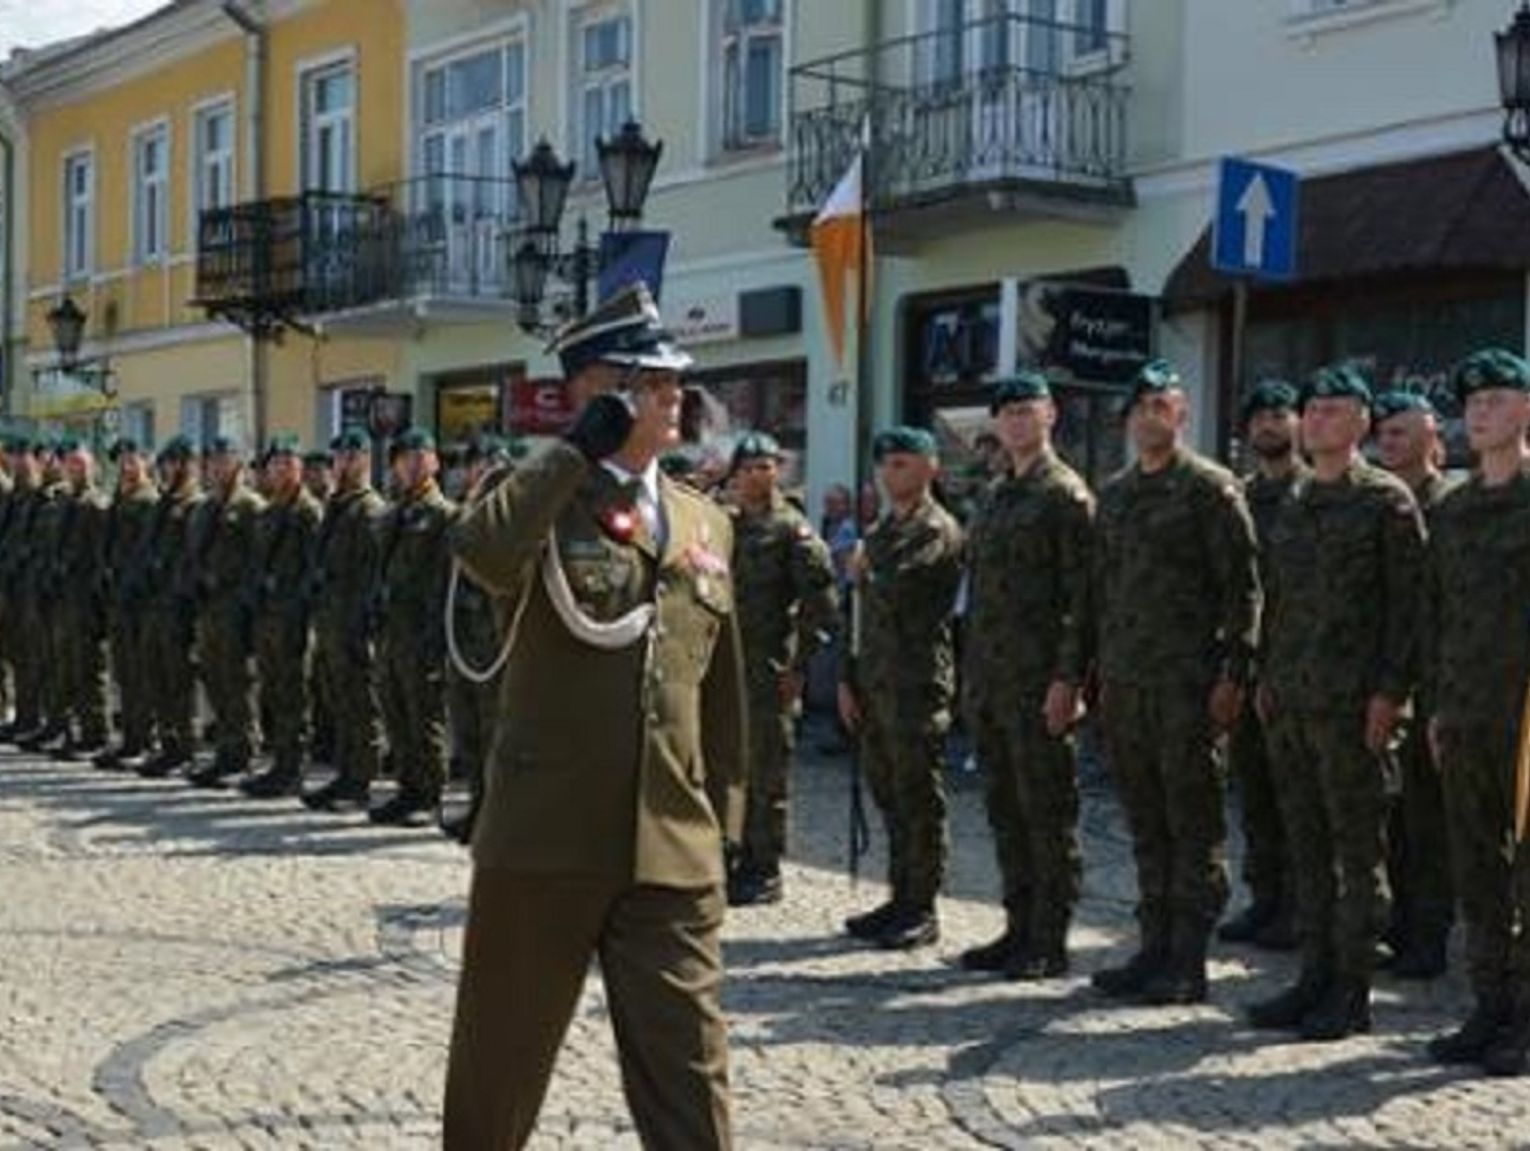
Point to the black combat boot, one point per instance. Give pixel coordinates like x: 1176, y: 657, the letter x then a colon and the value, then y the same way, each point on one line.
x: 1045, y: 956
x: 405, y: 809
x: 35, y: 741
x: 1131, y: 977
x: 1279, y: 934
x: 1472, y: 1040
x: 216, y: 773
x: 1182, y: 979
x: 998, y: 954
x: 912, y: 927
x: 750, y: 886
x: 1285, y: 1011
x: 1245, y: 927
x: 1424, y: 955
x: 1344, y: 1010
x: 460, y: 827
x: 1509, y: 1054
x: 870, y: 924
x: 339, y: 794
x: 170, y: 758
x: 282, y: 778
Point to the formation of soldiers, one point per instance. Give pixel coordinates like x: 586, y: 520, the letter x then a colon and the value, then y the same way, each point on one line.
x: 307, y: 607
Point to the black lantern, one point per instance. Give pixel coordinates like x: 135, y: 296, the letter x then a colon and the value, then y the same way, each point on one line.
x: 528, y: 269
x: 628, y: 162
x: 543, y: 183
x: 1513, y: 45
x: 67, y: 323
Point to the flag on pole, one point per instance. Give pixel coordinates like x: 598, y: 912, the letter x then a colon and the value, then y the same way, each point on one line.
x: 841, y: 246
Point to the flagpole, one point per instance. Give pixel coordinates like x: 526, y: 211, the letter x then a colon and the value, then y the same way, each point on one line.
x: 860, y: 830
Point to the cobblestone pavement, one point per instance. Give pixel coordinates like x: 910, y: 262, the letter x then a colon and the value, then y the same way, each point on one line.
x: 184, y: 969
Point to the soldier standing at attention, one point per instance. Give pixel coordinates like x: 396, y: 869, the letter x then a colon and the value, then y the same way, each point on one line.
x: 42, y: 598
x: 170, y: 608
x: 25, y: 659
x: 219, y: 556
x: 128, y: 532
x: 1272, y: 425
x: 1178, y: 593
x: 284, y: 538
x: 1029, y: 644
x: 341, y: 582
x: 1346, y: 573
x: 79, y: 620
x: 1408, y: 445
x: 1477, y: 665
x: 783, y: 584
x: 14, y: 494
x: 7, y: 506
x: 412, y: 575
x: 896, y: 694
x: 621, y: 762
x: 319, y: 479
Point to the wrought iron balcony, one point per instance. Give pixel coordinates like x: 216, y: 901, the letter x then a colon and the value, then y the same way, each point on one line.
x: 292, y: 259
x: 1011, y: 102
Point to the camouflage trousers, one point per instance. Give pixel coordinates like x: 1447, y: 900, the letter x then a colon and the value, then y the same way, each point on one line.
x: 1333, y: 793
x: 1266, y: 853
x: 281, y: 652
x: 903, y: 757
x: 1163, y: 757
x: 772, y: 736
x: 1031, y: 789
x: 131, y: 671
x: 350, y: 670
x: 321, y: 713
x: 474, y: 711
x: 1418, y: 848
x: 79, y: 655
x: 5, y: 655
x: 36, y: 694
x: 223, y: 656
x: 1492, y: 874
x: 168, y: 635
x: 412, y: 691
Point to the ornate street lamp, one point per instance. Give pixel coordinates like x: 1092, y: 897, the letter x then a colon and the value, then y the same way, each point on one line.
x: 628, y: 162
x: 1513, y: 45
x: 67, y: 323
x: 542, y: 183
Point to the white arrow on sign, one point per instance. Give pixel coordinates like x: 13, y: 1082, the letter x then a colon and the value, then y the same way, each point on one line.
x: 1257, y: 209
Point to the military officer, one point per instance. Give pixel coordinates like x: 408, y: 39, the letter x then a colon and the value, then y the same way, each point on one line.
x: 1346, y: 566
x: 1272, y: 425
x: 1408, y: 445
x: 219, y: 556
x: 319, y: 479
x: 79, y: 616
x: 170, y: 607
x: 896, y: 692
x: 1476, y: 668
x: 787, y: 609
x: 284, y: 540
x: 1177, y: 587
x: 601, y: 832
x: 341, y: 582
x: 1027, y: 651
x: 412, y: 575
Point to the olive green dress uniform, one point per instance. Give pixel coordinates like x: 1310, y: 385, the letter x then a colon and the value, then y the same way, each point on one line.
x: 1029, y: 624
x: 220, y: 553
x: 413, y: 571
x: 1178, y: 609
x: 905, y: 680
x: 787, y: 609
x: 284, y: 537
x: 602, y: 827
x: 479, y: 622
x: 77, y: 561
x: 170, y: 609
x: 129, y: 534
x: 1346, y: 568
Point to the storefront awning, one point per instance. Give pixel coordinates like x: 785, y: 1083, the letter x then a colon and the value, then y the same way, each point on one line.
x: 1464, y: 211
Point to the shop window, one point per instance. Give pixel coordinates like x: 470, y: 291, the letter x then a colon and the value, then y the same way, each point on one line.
x: 770, y: 397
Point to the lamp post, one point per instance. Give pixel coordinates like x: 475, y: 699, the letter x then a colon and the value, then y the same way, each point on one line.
x: 1513, y: 45
x: 627, y: 163
x: 66, y: 320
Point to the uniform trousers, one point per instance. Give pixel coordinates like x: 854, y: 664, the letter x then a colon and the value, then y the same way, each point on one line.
x: 1266, y: 854
x: 771, y: 737
x: 903, y: 757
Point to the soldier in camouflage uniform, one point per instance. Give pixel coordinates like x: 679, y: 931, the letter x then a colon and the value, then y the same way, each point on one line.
x: 342, y: 577
x: 896, y: 693
x: 1177, y: 586
x: 1477, y: 665
x: 1346, y: 571
x: 26, y: 656
x: 284, y: 540
x: 787, y: 609
x: 1418, y: 839
x: 79, y: 619
x: 42, y: 595
x: 1271, y: 423
x: 219, y: 557
x: 319, y: 479
x: 1027, y: 652
x: 10, y: 501
x: 412, y: 577
x: 128, y: 526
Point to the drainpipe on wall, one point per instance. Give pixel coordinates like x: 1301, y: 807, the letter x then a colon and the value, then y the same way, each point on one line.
x: 7, y: 272
x: 256, y: 351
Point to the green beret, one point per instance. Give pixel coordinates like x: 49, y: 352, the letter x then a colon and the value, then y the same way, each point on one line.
x: 351, y: 440
x: 13, y: 440
x: 283, y: 444
x: 680, y: 463
x: 1395, y: 403
x: 44, y: 443
x: 1152, y: 379
x: 1024, y: 385
x: 914, y: 441
x: 68, y: 444
x: 123, y: 446
x: 318, y: 458
x: 177, y: 448
x: 1490, y: 368
x: 1336, y: 381
x: 223, y: 445
x: 414, y: 440
x: 756, y: 446
x: 1269, y: 396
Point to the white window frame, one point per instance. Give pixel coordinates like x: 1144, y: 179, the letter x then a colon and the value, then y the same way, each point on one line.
x: 227, y: 411
x: 1070, y: 61
x: 198, y: 168
x: 582, y: 17
x: 512, y: 36
x: 308, y: 74
x: 86, y: 266
x: 139, y: 207
x: 724, y: 100
x: 138, y: 421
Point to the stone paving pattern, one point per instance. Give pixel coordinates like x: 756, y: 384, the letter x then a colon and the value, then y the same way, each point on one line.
x: 183, y: 969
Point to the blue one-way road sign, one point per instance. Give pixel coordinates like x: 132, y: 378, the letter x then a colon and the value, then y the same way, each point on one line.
x: 1254, y: 233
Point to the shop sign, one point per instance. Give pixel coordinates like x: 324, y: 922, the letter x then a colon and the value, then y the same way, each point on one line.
x: 540, y: 407
x: 1095, y: 336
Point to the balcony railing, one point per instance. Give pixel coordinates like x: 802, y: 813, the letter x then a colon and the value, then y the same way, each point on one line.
x: 283, y: 259
x: 1009, y: 99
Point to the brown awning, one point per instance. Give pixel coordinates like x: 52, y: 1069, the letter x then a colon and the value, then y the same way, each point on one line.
x: 1467, y: 210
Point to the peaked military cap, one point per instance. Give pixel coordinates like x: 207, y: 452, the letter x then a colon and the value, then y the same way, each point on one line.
x: 1152, y: 379
x: 625, y: 331
x: 1395, y: 403
x: 1490, y: 368
x: 414, y: 440
x: 1023, y: 385
x: 914, y: 441
x: 351, y: 440
x: 123, y: 446
x: 1336, y: 381
x: 177, y: 448
x: 317, y: 458
x: 1269, y: 396
x: 223, y: 445
x: 756, y: 446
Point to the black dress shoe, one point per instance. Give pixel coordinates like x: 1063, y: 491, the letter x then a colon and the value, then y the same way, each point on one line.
x: 403, y: 810
x: 339, y: 795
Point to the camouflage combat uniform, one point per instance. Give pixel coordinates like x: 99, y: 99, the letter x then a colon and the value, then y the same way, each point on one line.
x: 170, y: 622
x: 284, y: 536
x: 129, y: 529
x: 76, y: 561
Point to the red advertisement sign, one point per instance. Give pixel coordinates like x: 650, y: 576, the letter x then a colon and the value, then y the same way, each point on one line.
x: 539, y: 407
